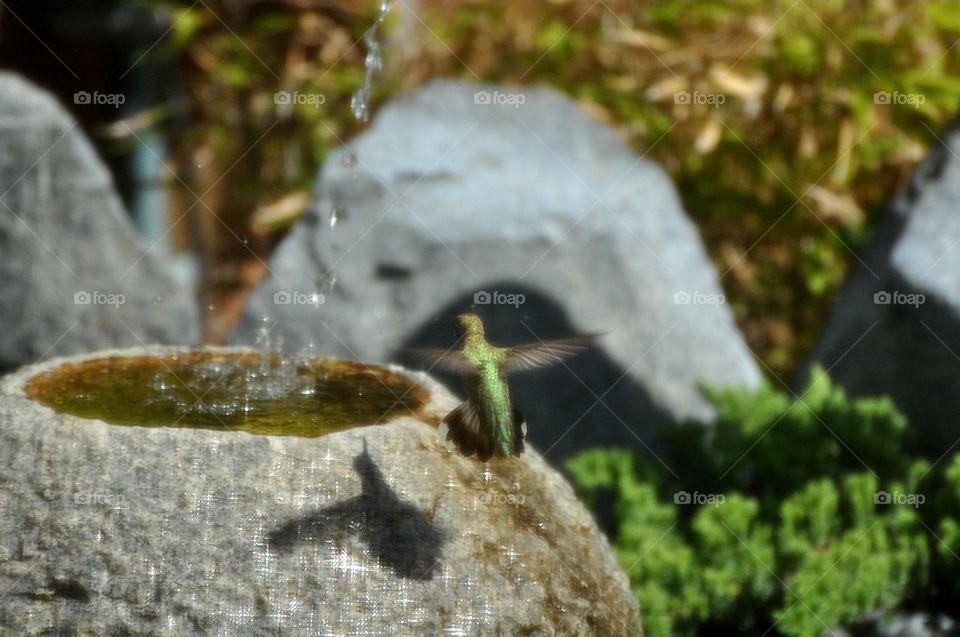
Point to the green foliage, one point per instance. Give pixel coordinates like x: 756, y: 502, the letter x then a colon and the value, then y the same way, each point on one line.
x: 793, y: 514
x: 765, y: 442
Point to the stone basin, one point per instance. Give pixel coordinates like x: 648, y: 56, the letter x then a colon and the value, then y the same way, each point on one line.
x: 219, y: 514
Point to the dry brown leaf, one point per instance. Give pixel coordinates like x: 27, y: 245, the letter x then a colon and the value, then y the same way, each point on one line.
x: 708, y: 136
x: 783, y: 98
x: 837, y: 207
x: 746, y: 88
x: 666, y: 88
x: 279, y: 212
x: 642, y: 39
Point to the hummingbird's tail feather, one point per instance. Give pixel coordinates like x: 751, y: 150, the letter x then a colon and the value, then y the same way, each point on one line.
x: 464, y: 430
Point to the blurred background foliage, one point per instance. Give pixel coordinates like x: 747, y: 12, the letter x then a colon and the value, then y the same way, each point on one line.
x: 784, y: 178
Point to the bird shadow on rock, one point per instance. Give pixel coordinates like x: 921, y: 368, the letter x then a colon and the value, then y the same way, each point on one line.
x: 560, y: 403
x: 401, y: 536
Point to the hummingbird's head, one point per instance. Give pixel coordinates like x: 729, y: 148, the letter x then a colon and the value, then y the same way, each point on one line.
x: 468, y: 324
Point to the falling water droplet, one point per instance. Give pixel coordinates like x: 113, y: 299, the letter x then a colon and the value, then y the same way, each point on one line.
x: 331, y: 282
x: 211, y: 307
x: 373, y: 61
x: 264, y: 345
x: 338, y: 213
x: 360, y: 104
x: 158, y: 300
x: 349, y: 158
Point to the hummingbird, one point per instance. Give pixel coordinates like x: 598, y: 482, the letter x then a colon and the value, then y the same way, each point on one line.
x: 487, y: 423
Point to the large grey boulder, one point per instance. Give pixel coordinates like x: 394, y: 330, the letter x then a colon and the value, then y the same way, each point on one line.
x: 74, y: 275
x: 517, y: 206
x: 895, y: 328
x: 377, y: 530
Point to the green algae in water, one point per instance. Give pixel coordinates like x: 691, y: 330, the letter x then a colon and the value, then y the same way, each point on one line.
x: 278, y: 395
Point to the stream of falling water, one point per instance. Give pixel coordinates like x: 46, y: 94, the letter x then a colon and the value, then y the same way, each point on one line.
x: 360, y: 106
x: 372, y: 64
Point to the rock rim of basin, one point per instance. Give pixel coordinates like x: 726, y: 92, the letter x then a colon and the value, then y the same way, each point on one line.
x: 371, y: 530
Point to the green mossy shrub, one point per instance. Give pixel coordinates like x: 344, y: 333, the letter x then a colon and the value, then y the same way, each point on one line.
x: 798, y: 514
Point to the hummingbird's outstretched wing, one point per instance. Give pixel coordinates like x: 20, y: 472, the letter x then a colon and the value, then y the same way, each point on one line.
x: 450, y: 360
x: 544, y: 353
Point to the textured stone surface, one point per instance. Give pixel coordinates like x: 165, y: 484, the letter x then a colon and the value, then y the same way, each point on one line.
x: 63, y: 232
x: 377, y: 530
x: 444, y: 198
x: 908, y: 347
